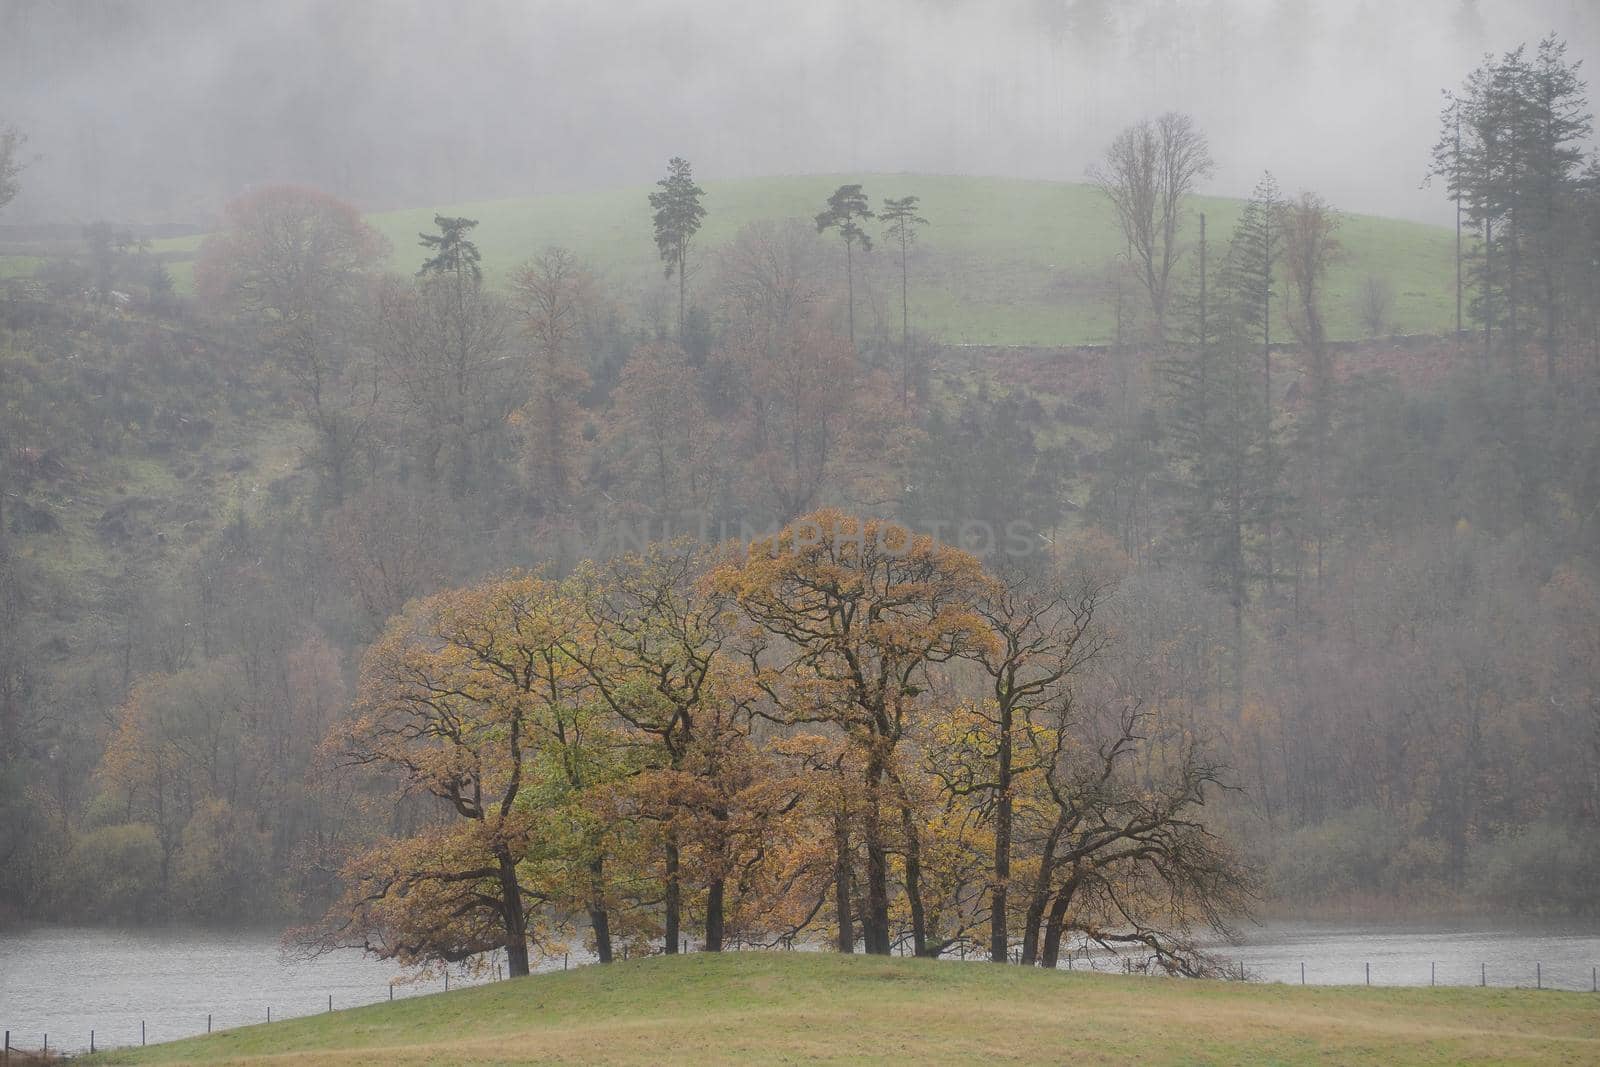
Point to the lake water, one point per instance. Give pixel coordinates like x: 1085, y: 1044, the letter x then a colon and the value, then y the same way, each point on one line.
x: 65, y: 981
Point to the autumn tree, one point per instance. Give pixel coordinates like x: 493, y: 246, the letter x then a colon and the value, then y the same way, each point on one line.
x: 900, y: 222
x: 846, y: 618
x: 294, y: 262
x: 846, y: 207
x: 1149, y: 170
x: 678, y: 215
x: 180, y: 743
x: 652, y: 647
x: 1043, y: 636
x: 455, y: 702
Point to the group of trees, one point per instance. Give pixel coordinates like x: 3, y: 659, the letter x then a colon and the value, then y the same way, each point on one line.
x: 1510, y: 153
x: 843, y: 728
x: 1345, y: 524
x: 1367, y: 576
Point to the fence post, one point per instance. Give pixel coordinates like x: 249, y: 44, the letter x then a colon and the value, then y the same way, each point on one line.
x: 141, y: 1033
x: 330, y: 1001
x: 91, y: 1042
x: 1432, y: 972
x: 447, y: 981
x: 1369, y: 972
x: 1594, y: 979
x: 7, y: 1053
x: 269, y: 1013
x: 564, y: 956
x: 391, y: 992
x: 1483, y: 974
x: 208, y: 1022
x: 1538, y: 976
x: 1302, y: 972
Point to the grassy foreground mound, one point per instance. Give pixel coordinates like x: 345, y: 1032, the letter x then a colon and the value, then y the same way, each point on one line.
x: 808, y: 1007
x: 1004, y: 261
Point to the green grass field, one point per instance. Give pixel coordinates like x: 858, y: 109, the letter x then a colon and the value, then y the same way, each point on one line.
x: 1002, y: 262
x: 816, y: 1007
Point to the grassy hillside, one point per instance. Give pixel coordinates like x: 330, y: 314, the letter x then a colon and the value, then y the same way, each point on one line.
x: 1003, y: 261
x: 789, y: 1007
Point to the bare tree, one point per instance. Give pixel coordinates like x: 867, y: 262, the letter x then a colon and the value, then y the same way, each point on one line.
x: 1377, y: 298
x: 1149, y: 169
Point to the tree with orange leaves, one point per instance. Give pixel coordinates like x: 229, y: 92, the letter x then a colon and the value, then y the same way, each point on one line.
x: 461, y: 700
x: 846, y: 617
x: 652, y: 646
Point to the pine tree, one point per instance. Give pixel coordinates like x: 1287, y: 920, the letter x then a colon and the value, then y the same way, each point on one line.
x: 1248, y: 276
x: 453, y: 253
x: 1509, y: 151
x: 900, y: 220
x: 848, y: 204
x: 678, y: 214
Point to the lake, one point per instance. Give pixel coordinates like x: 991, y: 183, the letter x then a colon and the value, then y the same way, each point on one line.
x: 65, y: 981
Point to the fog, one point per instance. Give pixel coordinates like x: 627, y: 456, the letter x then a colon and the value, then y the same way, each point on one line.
x: 474, y: 543
x: 161, y: 111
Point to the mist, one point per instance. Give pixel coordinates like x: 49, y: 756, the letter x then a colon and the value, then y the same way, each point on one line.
x: 161, y: 112
x: 492, y: 487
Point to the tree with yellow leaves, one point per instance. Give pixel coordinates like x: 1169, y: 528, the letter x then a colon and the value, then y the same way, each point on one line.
x: 458, y: 701
x: 845, y: 619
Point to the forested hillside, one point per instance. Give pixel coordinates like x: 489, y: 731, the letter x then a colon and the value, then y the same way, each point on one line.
x: 1345, y: 593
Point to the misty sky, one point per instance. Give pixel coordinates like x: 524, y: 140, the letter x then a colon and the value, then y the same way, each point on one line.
x: 160, y: 110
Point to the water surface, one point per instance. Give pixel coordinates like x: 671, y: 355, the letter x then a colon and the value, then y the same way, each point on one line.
x: 64, y: 981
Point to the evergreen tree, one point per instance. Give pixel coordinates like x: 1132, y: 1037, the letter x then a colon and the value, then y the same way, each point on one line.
x: 848, y: 204
x: 1248, y: 276
x: 678, y: 214
x: 1509, y: 151
x: 453, y: 252
x: 900, y: 220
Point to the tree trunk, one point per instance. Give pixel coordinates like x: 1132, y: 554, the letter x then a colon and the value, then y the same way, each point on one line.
x: 905, y: 326
x: 875, y: 924
x: 1039, y: 898
x: 1051, y: 954
x: 682, y: 302
x: 674, y: 896
x: 919, y: 922
x: 516, y: 920
x: 999, y: 932
x: 714, y: 915
x: 599, y: 921
x: 850, y: 286
x: 841, y: 883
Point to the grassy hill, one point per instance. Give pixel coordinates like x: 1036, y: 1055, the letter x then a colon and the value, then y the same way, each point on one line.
x: 1003, y: 262
x: 805, y: 1007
